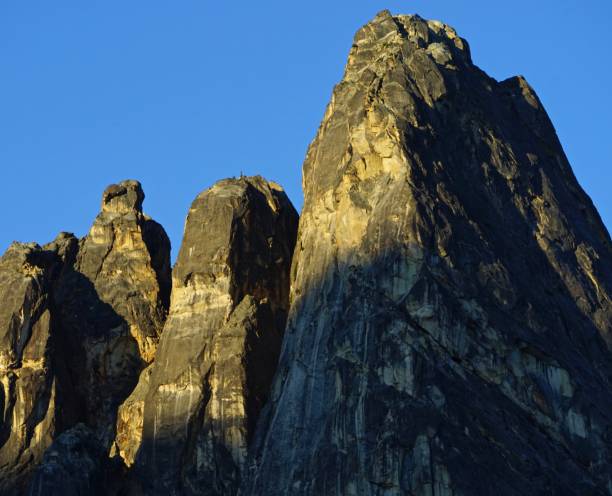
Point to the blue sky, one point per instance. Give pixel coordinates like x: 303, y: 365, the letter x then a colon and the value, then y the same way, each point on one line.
x: 181, y: 94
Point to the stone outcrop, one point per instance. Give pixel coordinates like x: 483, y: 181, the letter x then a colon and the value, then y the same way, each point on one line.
x: 79, y: 321
x: 187, y: 425
x: 28, y: 388
x: 35, y: 394
x: 450, y: 317
x: 112, y: 303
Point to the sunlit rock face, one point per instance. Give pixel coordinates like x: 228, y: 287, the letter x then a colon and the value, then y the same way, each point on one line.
x: 450, y: 317
x: 130, y: 417
x: 127, y: 257
x: 444, y: 310
x: 187, y: 426
x: 78, y: 322
x: 28, y: 385
x: 112, y: 303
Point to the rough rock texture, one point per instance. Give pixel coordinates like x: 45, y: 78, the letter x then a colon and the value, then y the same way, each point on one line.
x: 129, y: 421
x: 450, y: 301
x: 448, y: 328
x: 112, y: 304
x: 78, y: 321
x: 35, y: 393
x: 189, y: 433
x: 126, y: 255
x: 76, y: 464
x: 28, y: 388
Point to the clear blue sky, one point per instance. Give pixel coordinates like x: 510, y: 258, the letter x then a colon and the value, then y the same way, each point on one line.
x: 181, y: 94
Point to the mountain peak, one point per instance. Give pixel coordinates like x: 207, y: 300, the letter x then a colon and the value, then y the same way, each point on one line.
x: 438, y: 320
x: 123, y: 197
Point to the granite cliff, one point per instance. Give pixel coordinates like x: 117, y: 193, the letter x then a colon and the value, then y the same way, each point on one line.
x: 450, y: 318
x: 187, y: 425
x: 29, y: 389
x: 80, y: 320
x: 439, y: 322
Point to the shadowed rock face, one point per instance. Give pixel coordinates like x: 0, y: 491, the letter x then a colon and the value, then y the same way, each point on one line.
x: 78, y: 322
x: 35, y: 394
x: 76, y: 464
x: 112, y: 303
x: 127, y: 257
x: 189, y: 421
x: 450, y: 299
x: 448, y: 329
x: 28, y: 388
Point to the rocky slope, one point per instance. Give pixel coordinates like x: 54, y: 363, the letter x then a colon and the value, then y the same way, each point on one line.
x: 439, y: 324
x: 451, y: 314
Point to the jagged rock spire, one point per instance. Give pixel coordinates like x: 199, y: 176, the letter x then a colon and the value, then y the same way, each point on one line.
x: 188, y: 424
x: 450, y: 295
x: 79, y: 321
x: 449, y: 317
x: 127, y: 196
x: 113, y: 302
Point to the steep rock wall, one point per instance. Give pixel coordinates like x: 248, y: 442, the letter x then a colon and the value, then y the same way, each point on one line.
x: 79, y: 321
x: 187, y: 431
x: 112, y: 303
x: 450, y: 302
x: 28, y: 384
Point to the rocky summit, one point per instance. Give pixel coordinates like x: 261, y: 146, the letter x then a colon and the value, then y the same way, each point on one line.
x: 187, y: 426
x: 449, y: 330
x: 437, y: 322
